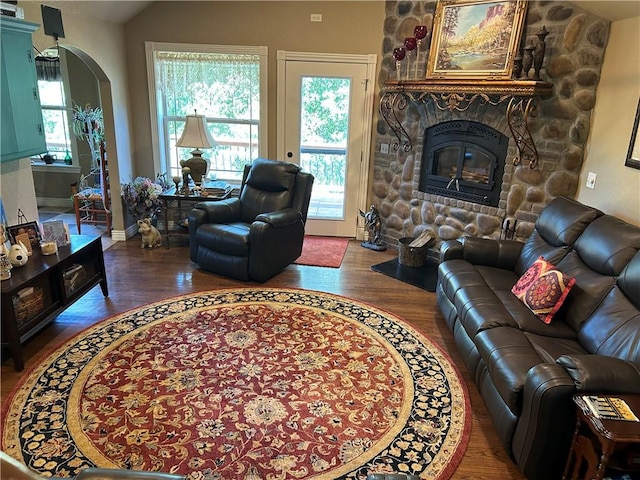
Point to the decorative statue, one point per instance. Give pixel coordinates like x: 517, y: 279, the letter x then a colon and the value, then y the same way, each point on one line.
x: 539, y: 51
x: 373, y: 224
x: 151, y: 237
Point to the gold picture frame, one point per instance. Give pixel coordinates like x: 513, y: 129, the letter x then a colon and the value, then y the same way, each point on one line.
x: 475, y: 39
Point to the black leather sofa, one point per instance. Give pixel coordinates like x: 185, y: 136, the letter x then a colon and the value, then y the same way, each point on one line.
x: 527, y: 371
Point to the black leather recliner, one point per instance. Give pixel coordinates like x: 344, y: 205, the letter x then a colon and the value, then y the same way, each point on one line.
x: 254, y: 236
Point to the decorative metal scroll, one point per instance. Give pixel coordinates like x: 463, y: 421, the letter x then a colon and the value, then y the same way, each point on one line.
x: 522, y: 105
x: 459, y: 101
x: 518, y: 113
x: 390, y: 104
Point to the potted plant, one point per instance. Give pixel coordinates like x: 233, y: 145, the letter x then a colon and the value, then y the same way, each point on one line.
x: 88, y: 124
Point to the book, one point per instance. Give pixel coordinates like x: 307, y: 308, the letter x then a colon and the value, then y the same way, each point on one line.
x: 218, y: 188
x: 609, y: 408
x: 55, y: 231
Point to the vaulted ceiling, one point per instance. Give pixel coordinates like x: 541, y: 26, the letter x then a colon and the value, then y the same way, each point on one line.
x: 123, y: 11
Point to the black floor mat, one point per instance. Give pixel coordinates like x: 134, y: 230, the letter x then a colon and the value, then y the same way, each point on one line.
x: 425, y: 277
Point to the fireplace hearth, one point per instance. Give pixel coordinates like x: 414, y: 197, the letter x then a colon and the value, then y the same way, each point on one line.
x: 463, y: 159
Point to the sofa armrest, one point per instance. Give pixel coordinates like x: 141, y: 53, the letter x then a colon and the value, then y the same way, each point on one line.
x: 543, y: 434
x: 281, y: 218
x: 494, y: 253
x: 450, y: 250
x: 223, y: 211
x: 482, y: 251
x: 601, y: 374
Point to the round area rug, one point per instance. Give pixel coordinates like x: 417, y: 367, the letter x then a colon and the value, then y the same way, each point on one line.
x: 243, y: 384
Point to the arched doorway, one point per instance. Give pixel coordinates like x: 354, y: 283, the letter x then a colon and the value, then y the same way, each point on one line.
x: 85, y: 84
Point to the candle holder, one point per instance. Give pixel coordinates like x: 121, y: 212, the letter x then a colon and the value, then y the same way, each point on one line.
x: 410, y: 44
x: 420, y: 32
x: 398, y: 55
x: 185, y: 180
x: 176, y: 181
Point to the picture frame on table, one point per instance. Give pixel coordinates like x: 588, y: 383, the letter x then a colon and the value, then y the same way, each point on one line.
x: 633, y: 153
x: 30, y: 228
x: 475, y: 39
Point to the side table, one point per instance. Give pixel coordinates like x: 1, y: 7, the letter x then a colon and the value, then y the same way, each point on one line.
x: 602, y: 446
x: 173, y: 202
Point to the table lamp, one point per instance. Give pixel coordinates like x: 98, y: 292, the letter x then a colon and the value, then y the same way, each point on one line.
x: 196, y: 135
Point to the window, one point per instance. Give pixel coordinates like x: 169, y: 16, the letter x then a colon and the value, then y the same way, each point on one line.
x: 54, y: 107
x: 226, y: 84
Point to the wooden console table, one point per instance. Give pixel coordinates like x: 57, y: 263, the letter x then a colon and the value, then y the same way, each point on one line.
x: 39, y: 291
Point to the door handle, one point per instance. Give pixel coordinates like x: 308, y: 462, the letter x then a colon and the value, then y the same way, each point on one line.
x: 289, y: 154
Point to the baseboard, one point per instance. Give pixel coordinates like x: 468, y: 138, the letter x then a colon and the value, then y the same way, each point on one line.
x: 119, y: 235
x: 55, y: 202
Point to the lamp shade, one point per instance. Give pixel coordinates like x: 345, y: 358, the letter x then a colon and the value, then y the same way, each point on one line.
x: 195, y: 133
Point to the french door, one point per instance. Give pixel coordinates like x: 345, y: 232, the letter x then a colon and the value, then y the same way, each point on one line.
x: 324, y: 125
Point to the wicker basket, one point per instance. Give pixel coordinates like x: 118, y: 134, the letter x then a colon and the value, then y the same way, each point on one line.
x: 28, y: 305
x: 411, y: 256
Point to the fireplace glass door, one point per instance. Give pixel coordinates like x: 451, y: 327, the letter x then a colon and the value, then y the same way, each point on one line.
x: 466, y: 163
x: 464, y: 160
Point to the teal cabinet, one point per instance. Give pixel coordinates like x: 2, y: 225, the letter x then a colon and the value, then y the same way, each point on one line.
x: 22, y: 126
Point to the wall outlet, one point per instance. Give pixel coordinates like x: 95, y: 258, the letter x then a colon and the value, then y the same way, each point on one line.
x: 384, y: 148
x: 591, y: 180
x: 316, y: 17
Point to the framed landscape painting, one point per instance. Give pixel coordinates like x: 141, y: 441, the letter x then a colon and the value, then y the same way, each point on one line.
x: 475, y: 39
x: 633, y: 154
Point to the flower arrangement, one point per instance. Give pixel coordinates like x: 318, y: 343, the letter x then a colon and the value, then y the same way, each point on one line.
x: 141, y: 196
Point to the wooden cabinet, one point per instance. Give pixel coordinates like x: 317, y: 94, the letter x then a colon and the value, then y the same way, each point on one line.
x: 40, y: 290
x: 22, y: 125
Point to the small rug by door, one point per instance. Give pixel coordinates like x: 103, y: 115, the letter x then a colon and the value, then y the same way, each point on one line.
x: 323, y: 251
x: 243, y: 384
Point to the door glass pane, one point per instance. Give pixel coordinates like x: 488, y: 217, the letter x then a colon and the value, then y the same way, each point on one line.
x: 477, y: 166
x: 324, y: 121
x: 446, y: 162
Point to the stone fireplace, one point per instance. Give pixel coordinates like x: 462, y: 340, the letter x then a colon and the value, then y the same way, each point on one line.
x: 417, y: 190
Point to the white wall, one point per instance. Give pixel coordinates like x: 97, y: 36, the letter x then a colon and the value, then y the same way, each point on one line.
x: 17, y: 191
x: 617, y: 190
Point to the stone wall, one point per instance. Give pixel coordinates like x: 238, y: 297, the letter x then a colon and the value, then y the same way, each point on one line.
x: 575, y: 49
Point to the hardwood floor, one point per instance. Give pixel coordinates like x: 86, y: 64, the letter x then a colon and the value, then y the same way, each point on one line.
x: 137, y: 277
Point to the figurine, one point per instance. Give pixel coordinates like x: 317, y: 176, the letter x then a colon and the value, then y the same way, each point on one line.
x: 151, y: 237
x: 373, y: 225
x: 18, y: 255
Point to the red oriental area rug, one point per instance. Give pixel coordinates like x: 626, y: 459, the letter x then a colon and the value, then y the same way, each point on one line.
x: 323, y: 251
x: 243, y: 384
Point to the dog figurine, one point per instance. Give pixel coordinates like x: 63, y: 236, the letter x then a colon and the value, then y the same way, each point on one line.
x: 151, y: 237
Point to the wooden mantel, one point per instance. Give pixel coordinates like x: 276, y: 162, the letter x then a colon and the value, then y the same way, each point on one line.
x: 510, y: 88
x: 523, y: 96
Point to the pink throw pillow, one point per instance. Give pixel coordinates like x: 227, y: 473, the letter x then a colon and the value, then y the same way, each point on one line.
x: 543, y: 289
